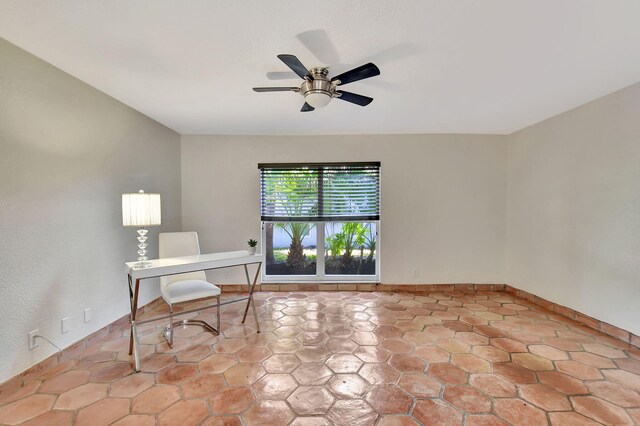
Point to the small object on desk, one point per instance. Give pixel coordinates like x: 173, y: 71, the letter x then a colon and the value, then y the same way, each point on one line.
x: 252, y: 246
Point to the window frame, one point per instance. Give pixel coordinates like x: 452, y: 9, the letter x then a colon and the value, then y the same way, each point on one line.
x: 321, y: 277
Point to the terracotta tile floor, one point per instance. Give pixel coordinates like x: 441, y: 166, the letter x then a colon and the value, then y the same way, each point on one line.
x: 347, y: 358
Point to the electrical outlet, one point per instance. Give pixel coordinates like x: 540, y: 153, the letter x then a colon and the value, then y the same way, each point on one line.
x: 414, y: 273
x: 33, y: 341
x: 87, y: 315
x: 65, y: 325
x: 227, y: 275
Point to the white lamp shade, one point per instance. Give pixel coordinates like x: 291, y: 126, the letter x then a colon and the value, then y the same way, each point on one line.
x: 141, y: 209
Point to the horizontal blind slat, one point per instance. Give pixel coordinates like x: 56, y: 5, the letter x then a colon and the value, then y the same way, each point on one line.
x: 320, y: 191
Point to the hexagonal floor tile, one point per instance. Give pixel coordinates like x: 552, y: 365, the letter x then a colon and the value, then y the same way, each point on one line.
x: 185, y: 412
x: 81, y: 396
x: 493, y: 385
x: 436, y: 412
x: 26, y: 408
x: 348, y: 386
x: 372, y: 354
x: 132, y: 385
x: 388, y: 399
x: 343, y: 363
x: 378, y: 374
x: 471, y: 363
x: 231, y: 400
x: 312, y: 374
x: 615, y: 393
x: 517, y: 412
x: 177, y: 374
x: 562, y: 382
x: 268, y: 413
x: 407, y: 363
x: 532, y: 362
x: 467, y: 398
x: 203, y: 385
x: 229, y: 346
x: 65, y: 381
x: 155, y: 399
x: 310, y: 400
x: 448, y: 373
x: 545, y: 397
x: 281, y: 363
x: 243, y: 374
x: 420, y: 385
x: 104, y: 412
x: 352, y: 412
x: 274, y: 386
x: 600, y: 410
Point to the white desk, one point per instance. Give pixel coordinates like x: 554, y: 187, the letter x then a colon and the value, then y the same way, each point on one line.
x: 180, y: 265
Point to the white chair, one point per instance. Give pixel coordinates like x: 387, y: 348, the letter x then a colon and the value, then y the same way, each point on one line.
x: 185, y: 287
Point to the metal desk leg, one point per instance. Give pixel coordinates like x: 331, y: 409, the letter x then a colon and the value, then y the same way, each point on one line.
x: 250, y: 301
x: 133, y: 338
x: 131, y: 314
x: 136, y: 357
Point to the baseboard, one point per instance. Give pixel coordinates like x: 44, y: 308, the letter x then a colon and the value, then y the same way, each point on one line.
x: 594, y: 323
x: 409, y: 288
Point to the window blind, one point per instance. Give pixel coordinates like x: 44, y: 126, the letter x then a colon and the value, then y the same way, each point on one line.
x: 320, y: 192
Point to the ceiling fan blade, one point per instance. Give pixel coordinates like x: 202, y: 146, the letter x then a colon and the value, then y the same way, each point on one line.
x: 354, y: 98
x: 294, y: 63
x: 276, y: 89
x: 281, y: 75
x: 360, y: 73
x: 307, y: 108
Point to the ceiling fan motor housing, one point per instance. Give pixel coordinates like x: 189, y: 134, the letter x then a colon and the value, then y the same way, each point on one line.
x: 317, y: 90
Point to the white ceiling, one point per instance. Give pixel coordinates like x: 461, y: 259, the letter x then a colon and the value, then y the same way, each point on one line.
x: 447, y: 66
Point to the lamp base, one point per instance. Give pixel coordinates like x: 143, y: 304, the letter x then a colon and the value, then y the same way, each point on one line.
x: 142, y: 248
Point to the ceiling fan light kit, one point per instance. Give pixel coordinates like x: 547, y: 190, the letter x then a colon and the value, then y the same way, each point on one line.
x: 318, y: 89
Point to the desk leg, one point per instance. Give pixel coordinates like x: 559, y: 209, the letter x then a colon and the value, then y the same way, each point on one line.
x: 250, y: 301
x: 130, y: 315
x: 133, y: 337
x: 136, y: 357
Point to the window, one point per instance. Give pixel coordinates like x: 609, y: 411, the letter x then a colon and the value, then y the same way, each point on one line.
x: 320, y: 221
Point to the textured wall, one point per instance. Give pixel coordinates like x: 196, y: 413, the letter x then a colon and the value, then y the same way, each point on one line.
x: 574, y: 209
x: 443, y: 197
x: 67, y: 152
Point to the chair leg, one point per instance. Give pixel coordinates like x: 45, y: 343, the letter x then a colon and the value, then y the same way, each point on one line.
x: 218, y: 314
x: 169, y: 329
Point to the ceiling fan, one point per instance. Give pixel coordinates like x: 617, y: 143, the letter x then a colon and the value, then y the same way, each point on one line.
x: 318, y: 89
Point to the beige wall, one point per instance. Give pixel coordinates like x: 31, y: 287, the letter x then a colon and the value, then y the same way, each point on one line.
x: 67, y: 152
x: 443, y: 197
x: 574, y: 209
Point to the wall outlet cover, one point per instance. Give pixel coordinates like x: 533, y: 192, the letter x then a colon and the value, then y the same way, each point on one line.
x: 87, y: 315
x: 65, y: 325
x: 33, y: 341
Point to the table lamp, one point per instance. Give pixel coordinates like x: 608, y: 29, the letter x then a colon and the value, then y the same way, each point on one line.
x: 141, y: 210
